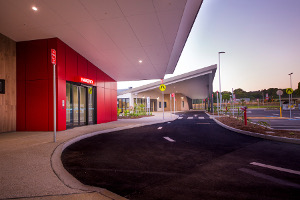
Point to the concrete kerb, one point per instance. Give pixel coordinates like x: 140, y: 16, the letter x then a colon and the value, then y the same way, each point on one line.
x: 259, y: 135
x: 71, y: 181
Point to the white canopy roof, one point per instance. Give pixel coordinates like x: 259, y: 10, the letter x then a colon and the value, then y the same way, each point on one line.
x: 127, y: 39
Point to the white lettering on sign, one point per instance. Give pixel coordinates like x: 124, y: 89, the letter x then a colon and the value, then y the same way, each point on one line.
x: 53, y: 56
x: 86, y: 80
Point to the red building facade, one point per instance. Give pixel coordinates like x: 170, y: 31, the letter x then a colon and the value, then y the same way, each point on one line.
x: 77, y: 102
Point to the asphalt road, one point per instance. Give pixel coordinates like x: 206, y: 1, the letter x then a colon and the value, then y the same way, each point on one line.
x: 272, y: 118
x: 187, y: 159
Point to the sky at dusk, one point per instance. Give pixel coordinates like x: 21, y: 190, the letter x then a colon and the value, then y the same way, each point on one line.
x: 261, y: 39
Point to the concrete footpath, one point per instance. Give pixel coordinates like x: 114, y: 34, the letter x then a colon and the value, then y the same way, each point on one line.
x: 26, y: 160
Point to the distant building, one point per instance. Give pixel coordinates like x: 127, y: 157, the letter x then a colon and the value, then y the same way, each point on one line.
x: 185, y: 87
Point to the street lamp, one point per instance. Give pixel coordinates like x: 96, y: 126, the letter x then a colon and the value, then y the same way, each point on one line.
x: 220, y: 80
x: 290, y: 96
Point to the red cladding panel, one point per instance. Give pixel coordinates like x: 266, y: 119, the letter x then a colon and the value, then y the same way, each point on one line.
x: 100, y: 78
x: 82, y: 66
x: 21, y: 106
x: 36, y: 60
x: 61, y: 60
x: 21, y: 49
x: 108, y: 105
x: 37, y: 105
x: 114, y: 110
x: 71, y: 64
x: 114, y: 85
x: 100, y: 105
x: 92, y: 72
x: 108, y: 81
x: 50, y: 105
x: 61, y: 111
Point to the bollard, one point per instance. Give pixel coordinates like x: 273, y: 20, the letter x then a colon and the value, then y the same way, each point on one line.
x: 245, y: 114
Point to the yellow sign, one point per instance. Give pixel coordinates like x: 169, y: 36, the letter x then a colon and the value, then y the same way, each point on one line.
x: 162, y: 87
x: 90, y: 90
x: 289, y: 90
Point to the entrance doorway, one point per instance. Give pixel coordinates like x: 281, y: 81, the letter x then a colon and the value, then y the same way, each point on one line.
x: 80, y: 104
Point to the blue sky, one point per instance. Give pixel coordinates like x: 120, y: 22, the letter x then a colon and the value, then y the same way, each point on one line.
x: 261, y: 39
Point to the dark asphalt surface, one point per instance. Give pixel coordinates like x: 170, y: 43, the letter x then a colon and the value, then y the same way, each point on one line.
x: 206, y: 161
x: 291, y: 123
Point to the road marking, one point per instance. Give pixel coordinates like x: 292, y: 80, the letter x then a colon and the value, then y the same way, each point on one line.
x: 180, y: 117
x: 200, y: 117
x: 269, y: 178
x: 276, y: 168
x: 270, y: 132
x: 211, y: 117
x: 159, y: 127
x: 195, y: 115
x: 169, y: 139
x: 297, y: 117
x: 190, y: 118
x: 291, y: 126
x: 169, y: 122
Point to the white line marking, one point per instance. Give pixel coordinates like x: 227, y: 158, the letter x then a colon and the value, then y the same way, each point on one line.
x: 297, y: 117
x: 211, y: 117
x: 190, y: 118
x: 159, y: 127
x: 269, y: 178
x: 169, y: 139
x: 270, y: 132
x: 286, y: 126
x: 180, y: 117
x: 195, y: 115
x: 276, y: 168
x: 200, y: 117
x: 169, y: 122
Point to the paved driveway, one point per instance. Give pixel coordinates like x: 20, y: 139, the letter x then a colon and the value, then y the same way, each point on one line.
x: 190, y: 158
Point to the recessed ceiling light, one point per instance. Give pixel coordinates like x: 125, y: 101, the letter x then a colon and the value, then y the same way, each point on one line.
x: 34, y: 8
x: 140, y: 61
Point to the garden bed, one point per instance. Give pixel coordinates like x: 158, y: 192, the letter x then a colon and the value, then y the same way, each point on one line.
x: 133, y: 117
x: 256, y: 128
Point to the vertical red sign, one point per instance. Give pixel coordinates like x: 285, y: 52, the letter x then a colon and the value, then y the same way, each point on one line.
x: 53, y: 56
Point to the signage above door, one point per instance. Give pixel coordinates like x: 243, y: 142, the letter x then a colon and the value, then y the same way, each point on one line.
x: 85, y: 80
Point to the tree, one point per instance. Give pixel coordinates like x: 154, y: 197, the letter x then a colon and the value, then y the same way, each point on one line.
x: 240, y: 93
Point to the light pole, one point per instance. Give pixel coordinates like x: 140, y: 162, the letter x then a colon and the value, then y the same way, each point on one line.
x: 291, y: 95
x: 220, y: 80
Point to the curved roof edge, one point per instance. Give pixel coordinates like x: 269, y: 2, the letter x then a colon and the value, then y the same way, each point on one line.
x: 189, y: 75
x: 189, y: 16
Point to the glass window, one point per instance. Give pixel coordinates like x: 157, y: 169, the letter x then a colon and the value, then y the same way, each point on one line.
x: 159, y: 104
x: 165, y: 104
x: 83, y: 105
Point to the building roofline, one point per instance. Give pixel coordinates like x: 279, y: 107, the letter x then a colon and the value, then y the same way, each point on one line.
x: 175, y: 79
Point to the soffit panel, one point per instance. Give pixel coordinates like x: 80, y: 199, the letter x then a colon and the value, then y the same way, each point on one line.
x: 103, y: 9
x: 120, y: 32
x: 147, y: 29
x: 137, y: 25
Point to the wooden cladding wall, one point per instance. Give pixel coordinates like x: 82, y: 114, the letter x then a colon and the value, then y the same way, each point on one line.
x: 8, y: 72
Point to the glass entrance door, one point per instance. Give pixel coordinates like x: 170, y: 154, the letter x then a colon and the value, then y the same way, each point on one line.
x: 80, y: 104
x: 82, y: 114
x: 69, y: 105
x: 91, y: 105
x: 75, y: 105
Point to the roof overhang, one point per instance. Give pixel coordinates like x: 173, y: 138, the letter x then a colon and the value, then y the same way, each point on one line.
x: 192, y: 84
x: 112, y: 34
